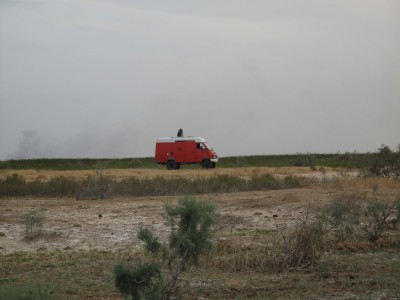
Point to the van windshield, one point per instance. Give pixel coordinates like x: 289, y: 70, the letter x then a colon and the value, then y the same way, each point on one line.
x: 208, y: 147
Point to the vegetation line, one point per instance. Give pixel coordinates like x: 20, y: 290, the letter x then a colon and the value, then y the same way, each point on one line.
x: 100, y: 187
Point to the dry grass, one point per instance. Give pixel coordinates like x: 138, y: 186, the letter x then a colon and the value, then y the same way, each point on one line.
x: 230, y: 256
x: 291, y: 198
x: 31, y: 175
x: 88, y: 274
x: 365, y: 183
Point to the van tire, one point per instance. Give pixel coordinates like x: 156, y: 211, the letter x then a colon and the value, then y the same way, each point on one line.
x: 207, y: 164
x: 171, y: 165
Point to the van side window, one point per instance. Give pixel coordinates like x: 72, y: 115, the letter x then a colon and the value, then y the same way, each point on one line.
x: 200, y: 146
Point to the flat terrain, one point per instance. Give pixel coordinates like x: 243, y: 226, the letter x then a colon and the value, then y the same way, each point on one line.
x: 111, y: 225
x: 106, y: 224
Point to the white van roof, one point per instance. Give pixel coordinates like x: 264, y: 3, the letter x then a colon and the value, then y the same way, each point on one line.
x: 197, y: 139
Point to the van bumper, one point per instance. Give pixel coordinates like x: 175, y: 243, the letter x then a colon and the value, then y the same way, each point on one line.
x: 214, y: 160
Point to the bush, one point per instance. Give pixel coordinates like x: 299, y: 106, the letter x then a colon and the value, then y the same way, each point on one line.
x: 304, y: 245
x: 16, y: 185
x: 152, y: 243
x: 60, y: 186
x: 377, y: 213
x: 269, y: 182
x: 304, y: 160
x: 96, y: 187
x: 13, y: 185
x: 33, y: 222
x: 190, y: 223
x: 386, y: 163
x: 347, y: 218
x: 99, y: 186
x: 343, y: 215
x: 141, y: 282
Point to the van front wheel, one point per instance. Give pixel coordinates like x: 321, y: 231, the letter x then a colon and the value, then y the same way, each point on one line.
x: 207, y: 164
x: 171, y: 165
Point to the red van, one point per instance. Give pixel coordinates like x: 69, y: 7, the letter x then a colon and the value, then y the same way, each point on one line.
x: 175, y: 151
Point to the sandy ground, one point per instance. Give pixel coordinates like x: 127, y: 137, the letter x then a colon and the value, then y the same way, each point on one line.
x: 113, y: 223
x: 106, y: 224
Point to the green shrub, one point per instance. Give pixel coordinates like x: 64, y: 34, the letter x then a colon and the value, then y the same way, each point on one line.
x: 152, y: 243
x: 269, y: 182
x: 140, y: 282
x: 33, y: 222
x: 347, y: 218
x: 60, y: 186
x: 13, y: 185
x: 190, y: 222
x: 376, y: 213
x: 99, y: 186
x: 290, y: 182
x: 343, y: 215
x: 386, y: 163
x: 15, y: 179
x: 304, y: 160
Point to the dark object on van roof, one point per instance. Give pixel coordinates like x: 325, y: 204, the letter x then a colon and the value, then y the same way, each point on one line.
x: 180, y: 133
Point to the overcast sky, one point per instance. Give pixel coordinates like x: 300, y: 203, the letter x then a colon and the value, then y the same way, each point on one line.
x: 88, y: 78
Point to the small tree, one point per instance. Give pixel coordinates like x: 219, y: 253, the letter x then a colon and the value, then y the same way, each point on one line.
x: 190, y: 222
x: 386, y: 163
